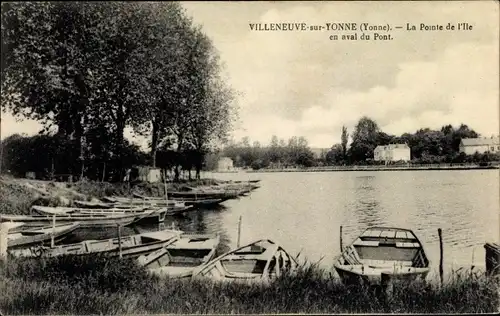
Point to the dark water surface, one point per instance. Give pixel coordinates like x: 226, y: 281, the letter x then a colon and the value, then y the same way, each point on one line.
x: 303, y: 211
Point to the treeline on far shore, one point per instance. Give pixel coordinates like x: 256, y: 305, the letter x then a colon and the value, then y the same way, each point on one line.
x: 427, y: 147
x: 51, y: 155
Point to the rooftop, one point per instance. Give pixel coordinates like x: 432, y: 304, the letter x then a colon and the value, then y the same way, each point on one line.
x: 392, y: 146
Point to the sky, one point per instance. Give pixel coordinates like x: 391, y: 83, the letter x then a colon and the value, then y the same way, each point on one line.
x: 293, y: 83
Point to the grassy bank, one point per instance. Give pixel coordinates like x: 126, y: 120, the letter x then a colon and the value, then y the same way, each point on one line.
x: 89, y: 285
x: 17, y: 195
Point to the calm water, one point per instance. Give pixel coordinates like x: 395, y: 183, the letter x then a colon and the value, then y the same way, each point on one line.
x: 304, y: 211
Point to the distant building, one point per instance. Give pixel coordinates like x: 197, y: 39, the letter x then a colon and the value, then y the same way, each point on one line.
x: 225, y: 164
x: 470, y: 146
x: 144, y: 174
x: 392, y: 152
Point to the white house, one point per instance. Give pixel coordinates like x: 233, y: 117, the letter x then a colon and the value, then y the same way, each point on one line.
x: 225, y: 164
x: 470, y: 146
x: 392, y: 152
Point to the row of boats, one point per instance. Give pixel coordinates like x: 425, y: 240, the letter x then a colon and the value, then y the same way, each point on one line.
x: 52, y: 224
x: 115, y: 210
x: 378, y: 253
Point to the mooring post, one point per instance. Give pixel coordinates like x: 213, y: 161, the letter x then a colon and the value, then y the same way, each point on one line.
x: 52, y: 241
x: 440, y: 233
x: 119, y: 240
x: 239, y: 232
x: 341, y: 247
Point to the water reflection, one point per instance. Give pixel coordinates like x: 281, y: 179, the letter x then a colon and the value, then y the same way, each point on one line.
x: 367, y: 202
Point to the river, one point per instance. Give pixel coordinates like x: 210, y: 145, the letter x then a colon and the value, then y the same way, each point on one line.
x: 304, y: 211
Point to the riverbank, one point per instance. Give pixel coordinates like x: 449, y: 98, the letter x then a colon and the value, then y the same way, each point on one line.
x: 18, y: 195
x: 381, y: 168
x: 96, y: 285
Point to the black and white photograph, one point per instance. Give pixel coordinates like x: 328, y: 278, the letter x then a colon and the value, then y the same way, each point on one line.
x: 250, y: 157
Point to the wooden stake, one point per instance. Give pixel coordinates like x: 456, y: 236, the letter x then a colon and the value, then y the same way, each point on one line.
x: 165, y: 183
x: 341, y: 247
x: 440, y: 233
x: 52, y: 241
x: 119, y: 241
x: 239, y: 232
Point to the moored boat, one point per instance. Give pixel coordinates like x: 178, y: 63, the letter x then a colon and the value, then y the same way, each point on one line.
x: 196, y: 193
x: 59, y: 210
x: 147, y: 213
x: 101, y: 205
x: 144, y: 202
x: 201, y: 203
x: 131, y: 246
x: 85, y: 220
x: 28, y: 236
x: 180, y: 257
x: 260, y: 261
x: 189, y: 201
x: 383, y: 252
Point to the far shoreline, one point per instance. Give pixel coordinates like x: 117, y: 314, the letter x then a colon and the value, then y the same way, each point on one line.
x: 367, y: 168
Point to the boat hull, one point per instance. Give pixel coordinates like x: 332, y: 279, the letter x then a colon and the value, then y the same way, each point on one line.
x: 354, y: 277
x: 61, y: 232
x: 85, y: 221
x: 131, y: 247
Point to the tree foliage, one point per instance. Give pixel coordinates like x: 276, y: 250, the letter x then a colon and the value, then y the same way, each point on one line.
x: 93, y: 68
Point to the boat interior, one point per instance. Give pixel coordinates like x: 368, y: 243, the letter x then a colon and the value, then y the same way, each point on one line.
x: 252, y: 261
x: 385, y: 248
x: 186, y: 251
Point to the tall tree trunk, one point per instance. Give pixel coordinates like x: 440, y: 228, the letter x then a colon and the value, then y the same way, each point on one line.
x: 180, y: 140
x: 120, y: 125
x: 154, y: 141
x: 80, y: 117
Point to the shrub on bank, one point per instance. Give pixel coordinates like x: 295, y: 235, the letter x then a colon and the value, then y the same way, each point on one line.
x: 95, y: 284
x: 15, y: 199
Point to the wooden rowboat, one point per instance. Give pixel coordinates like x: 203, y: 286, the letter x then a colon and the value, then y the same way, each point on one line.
x: 29, y: 236
x: 260, y: 261
x: 157, y: 214
x: 195, y: 202
x: 101, y: 205
x: 58, y: 210
x: 85, y: 220
x: 201, y: 203
x: 180, y: 257
x: 380, y: 254
x: 145, y: 202
x: 131, y: 246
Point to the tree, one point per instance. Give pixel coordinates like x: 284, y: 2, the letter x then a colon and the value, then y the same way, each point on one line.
x: 344, y: 139
x: 211, y: 111
x: 335, y: 156
x: 364, y: 140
